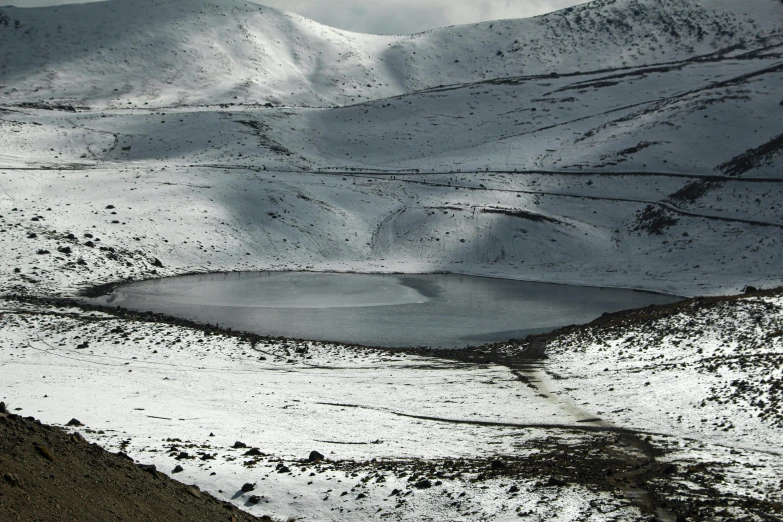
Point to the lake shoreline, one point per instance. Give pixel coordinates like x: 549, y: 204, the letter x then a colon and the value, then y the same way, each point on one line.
x: 103, y: 289
x: 423, y: 350
x: 439, y: 311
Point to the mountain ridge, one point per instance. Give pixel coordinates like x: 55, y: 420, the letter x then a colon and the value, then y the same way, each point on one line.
x: 160, y: 52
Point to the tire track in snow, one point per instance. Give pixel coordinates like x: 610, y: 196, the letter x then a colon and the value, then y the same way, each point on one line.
x: 666, y: 206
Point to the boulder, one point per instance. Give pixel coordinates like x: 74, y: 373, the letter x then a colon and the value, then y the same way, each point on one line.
x: 556, y: 482
x: 315, y: 457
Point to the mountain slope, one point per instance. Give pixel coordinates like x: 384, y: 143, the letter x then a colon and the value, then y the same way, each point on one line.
x: 597, y: 35
x: 623, y: 143
x: 166, y: 52
x: 169, y: 52
x: 662, y: 176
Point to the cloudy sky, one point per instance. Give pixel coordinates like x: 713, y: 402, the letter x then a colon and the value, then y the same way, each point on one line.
x: 395, y: 16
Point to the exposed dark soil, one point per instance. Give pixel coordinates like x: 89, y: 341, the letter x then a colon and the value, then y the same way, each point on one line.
x: 753, y: 158
x: 693, y: 191
x: 522, y: 214
x: 654, y: 220
x: 260, y: 130
x: 48, y: 474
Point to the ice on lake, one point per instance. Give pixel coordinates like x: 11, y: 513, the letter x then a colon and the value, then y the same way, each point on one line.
x: 437, y: 310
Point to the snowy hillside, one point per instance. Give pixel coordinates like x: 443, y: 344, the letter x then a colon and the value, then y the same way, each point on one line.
x: 662, y: 177
x: 622, y: 143
x: 167, y: 52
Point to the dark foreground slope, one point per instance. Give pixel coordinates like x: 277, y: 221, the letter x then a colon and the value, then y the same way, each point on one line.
x: 48, y: 474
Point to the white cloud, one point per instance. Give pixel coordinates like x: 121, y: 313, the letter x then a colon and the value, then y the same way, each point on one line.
x: 395, y: 16
x: 409, y: 16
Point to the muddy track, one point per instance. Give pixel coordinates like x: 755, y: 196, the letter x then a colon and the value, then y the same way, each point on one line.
x: 522, y: 172
x: 527, y: 357
x: 667, y: 206
x: 525, y: 363
x: 382, y: 173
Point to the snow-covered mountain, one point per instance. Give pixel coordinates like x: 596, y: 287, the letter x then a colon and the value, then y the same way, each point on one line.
x: 166, y: 52
x: 624, y: 143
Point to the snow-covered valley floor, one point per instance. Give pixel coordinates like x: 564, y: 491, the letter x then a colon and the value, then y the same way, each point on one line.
x: 622, y: 143
x: 689, y: 424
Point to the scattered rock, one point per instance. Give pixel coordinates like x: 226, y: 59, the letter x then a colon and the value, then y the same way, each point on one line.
x: 498, y: 465
x: 3, y: 408
x: 12, y: 479
x: 556, y: 482
x: 74, y: 422
x: 239, y: 445
x: 193, y: 491
x: 513, y: 489
x: 315, y: 457
x: 178, y: 469
x: 255, y: 452
x: 248, y: 487
x: 44, y: 452
x: 254, y: 499
x: 149, y: 468
x: 423, y: 484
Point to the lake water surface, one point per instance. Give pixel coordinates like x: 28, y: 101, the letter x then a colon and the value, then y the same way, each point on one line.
x: 447, y: 311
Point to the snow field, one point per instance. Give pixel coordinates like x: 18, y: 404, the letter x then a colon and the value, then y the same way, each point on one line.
x: 146, y: 387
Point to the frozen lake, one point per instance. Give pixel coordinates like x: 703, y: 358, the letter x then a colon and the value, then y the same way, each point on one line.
x: 447, y: 311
